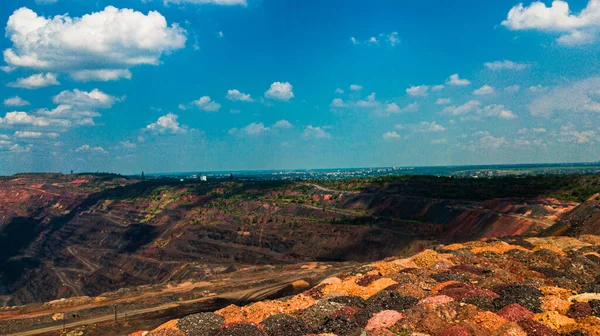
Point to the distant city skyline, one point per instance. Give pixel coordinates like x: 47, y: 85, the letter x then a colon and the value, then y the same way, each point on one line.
x: 224, y: 85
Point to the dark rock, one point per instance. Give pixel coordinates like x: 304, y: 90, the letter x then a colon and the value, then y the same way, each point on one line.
x: 595, y: 305
x: 575, y: 333
x: 533, y: 328
x: 349, y: 300
x: 526, y: 296
x: 580, y: 309
x: 448, y: 276
x: 284, y: 325
x: 341, y: 326
x: 203, y: 324
x: 368, y: 279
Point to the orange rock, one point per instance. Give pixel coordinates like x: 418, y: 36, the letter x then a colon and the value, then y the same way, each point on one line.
x: 553, y: 319
x: 489, y: 320
x: 232, y: 314
x: 437, y: 288
x: 300, y: 285
x: 168, y: 325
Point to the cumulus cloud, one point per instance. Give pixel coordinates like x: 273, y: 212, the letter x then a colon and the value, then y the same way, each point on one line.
x: 498, y: 111
x: 127, y: 144
x: 391, y: 135
x: 457, y: 81
x: 420, y: 90
x: 98, y: 46
x: 483, y: 140
x: 436, y: 88
x: 391, y: 39
x: 81, y: 114
x: 579, y: 97
x: 339, y: 91
x: 255, y: 129
x: 45, y: 2
x: 35, y: 135
x: 166, y: 124
x: 94, y: 98
x: 505, y: 65
x: 472, y: 109
x: 443, y: 101
x: 484, y: 90
x: 575, y: 29
x: 355, y: 87
x: 236, y: 95
x: 103, y: 75
x: 430, y: 127
x: 337, y: 102
x: 470, y: 106
x: 15, y: 101
x: 35, y: 81
x: 569, y: 133
x: 24, y: 119
x: 280, y: 91
x: 512, y: 88
x: 90, y: 150
x: 315, y: 132
x: 206, y: 104
x: 283, y: 124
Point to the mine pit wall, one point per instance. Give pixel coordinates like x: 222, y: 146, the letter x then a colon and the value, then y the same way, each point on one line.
x: 127, y: 255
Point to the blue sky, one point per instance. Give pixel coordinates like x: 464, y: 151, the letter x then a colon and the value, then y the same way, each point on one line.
x: 198, y: 85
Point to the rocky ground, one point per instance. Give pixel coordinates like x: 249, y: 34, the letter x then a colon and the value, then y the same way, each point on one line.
x: 513, y: 286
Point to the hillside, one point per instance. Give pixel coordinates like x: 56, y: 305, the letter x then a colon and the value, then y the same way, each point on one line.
x: 161, y: 249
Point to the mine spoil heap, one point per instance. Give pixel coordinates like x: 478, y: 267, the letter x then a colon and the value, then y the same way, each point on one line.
x: 514, y: 286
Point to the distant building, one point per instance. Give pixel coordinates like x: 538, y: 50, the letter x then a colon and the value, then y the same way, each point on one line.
x: 203, y: 178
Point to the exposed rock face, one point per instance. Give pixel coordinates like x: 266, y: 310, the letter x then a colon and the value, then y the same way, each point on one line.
x: 84, y: 235
x: 503, y: 271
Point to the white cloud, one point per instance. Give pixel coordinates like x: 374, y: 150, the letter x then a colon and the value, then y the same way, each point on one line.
x: 457, y: 81
x: 255, y: 129
x: 390, y: 39
x: 15, y: 101
x: 512, y: 88
x: 316, y: 132
x: 391, y: 135
x: 337, y: 102
x: 127, y: 144
x: 206, y: 104
x: 393, y: 39
x: 355, y: 87
x: 443, y: 101
x: 439, y: 141
x: 487, y: 141
x: 212, y: 2
x: 430, y: 127
x: 537, y: 88
x: 283, y: 124
x: 7, y: 69
x: 81, y: 113
x: 498, y: 111
x: 113, y: 40
x: 539, y: 130
x: 420, y: 90
x: 25, y: 119
x: 45, y: 2
x: 35, y: 81
x: 103, y: 75
x: 236, y: 95
x: 35, y: 135
x: 470, y: 106
x: 167, y: 124
x: 484, y: 90
x: 505, y: 65
x: 436, y: 88
x: 220, y: 34
x: 90, y: 150
x: 280, y: 91
x: 339, y: 91
x: 569, y: 133
x: 94, y: 98
x: 580, y: 97
x: 575, y: 28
